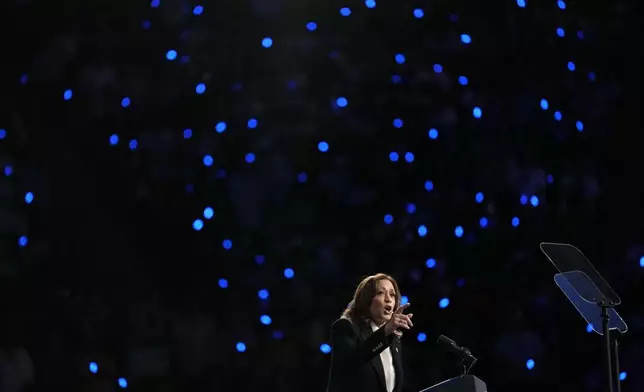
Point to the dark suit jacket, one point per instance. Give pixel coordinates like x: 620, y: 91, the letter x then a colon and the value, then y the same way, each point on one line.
x: 355, y: 362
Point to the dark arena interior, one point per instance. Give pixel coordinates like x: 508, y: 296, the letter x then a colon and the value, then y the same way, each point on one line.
x: 191, y: 191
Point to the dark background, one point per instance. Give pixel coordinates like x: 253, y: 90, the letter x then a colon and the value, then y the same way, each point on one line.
x: 114, y: 273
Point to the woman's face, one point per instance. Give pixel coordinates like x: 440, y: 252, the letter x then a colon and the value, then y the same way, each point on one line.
x: 383, y: 303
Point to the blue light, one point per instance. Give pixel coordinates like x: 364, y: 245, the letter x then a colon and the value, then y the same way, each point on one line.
x: 561, y: 32
x: 463, y: 81
x: 323, y: 146
x: 341, y: 102
x: 122, y: 382
x: 409, y: 157
x: 550, y: 179
x: 125, y: 102
x: 642, y: 261
x: 252, y: 123
x: 398, y: 123
x: 433, y: 134
x: 208, y: 160
x: 400, y: 58
x: 389, y: 219
x: 197, y: 224
x: 198, y: 10
x: 396, y: 79
x: 529, y: 364
x: 250, y: 157
x: 93, y: 367
x: 187, y: 133
x: 483, y: 222
x: 393, y: 156
x: 311, y: 26
x: 221, y: 127
x: 8, y: 170
x: 534, y: 200
x: 24, y: 79
x: 622, y: 376
x: 345, y: 11
x: 589, y: 328
x: 561, y: 4
x: 23, y: 241
x: 477, y: 112
x: 289, y: 273
x: 479, y: 197
x: 591, y: 76
x: 29, y: 197
x: 155, y: 3
x: 558, y: 116
x: 370, y: 3
x: 267, y: 42
x: 571, y: 66
x: 422, y: 230
x: 171, y: 55
x: 133, y: 144
x: 68, y: 95
x: 523, y: 200
x: 278, y: 335
x: 301, y: 178
x: 438, y: 68
x: 223, y: 283
x: 3, y: 133
x: 580, y: 126
x: 146, y: 24
x: 208, y: 213
x: 430, y: 263
x: 114, y: 139
x: 265, y: 319
x: 404, y: 300
x: 544, y: 104
x: 227, y: 244
x: 325, y: 348
x: 443, y: 303
x: 429, y: 186
x: 241, y: 347
x: 411, y: 208
x: 516, y: 221
x: 200, y: 89
x: 521, y: 3
x: 418, y: 13
x: 421, y: 337
x: 458, y: 231
x: 263, y: 294
x: 466, y: 39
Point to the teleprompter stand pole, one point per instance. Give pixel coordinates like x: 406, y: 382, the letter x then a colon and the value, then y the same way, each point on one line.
x: 612, y: 348
x: 616, y: 353
x: 606, y: 331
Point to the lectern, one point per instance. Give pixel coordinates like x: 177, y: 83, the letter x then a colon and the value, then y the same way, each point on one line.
x: 467, y: 383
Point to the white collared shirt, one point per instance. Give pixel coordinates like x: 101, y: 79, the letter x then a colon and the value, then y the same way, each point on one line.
x: 387, y: 364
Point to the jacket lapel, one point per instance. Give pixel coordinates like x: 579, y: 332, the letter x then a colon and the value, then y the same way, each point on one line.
x: 376, y: 362
x: 397, y: 357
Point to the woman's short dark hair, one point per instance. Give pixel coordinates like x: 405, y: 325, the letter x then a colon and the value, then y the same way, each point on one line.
x: 358, y: 309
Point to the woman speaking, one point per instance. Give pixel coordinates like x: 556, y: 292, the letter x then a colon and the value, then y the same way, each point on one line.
x: 366, y: 339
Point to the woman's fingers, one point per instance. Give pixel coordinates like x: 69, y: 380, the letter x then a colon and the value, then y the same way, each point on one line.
x: 406, y: 320
x: 403, y: 321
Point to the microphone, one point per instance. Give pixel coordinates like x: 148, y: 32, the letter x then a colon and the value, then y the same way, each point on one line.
x: 451, y: 345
